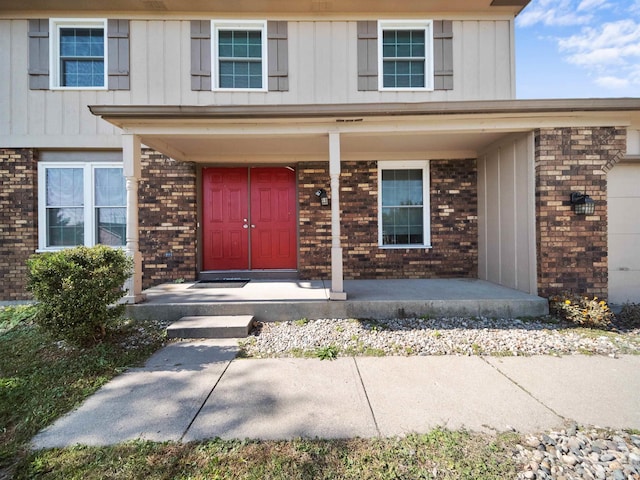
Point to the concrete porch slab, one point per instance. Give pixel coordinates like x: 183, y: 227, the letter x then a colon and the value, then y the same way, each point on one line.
x: 280, y: 300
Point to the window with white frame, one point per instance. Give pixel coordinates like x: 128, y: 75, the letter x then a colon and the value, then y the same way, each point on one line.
x: 405, y: 50
x: 403, y: 204
x: 81, y: 204
x: 79, y: 53
x: 239, y: 55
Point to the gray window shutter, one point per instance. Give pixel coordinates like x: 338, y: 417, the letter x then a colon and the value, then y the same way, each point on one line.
x: 367, y: 55
x: 118, y: 47
x: 443, y: 55
x: 200, y: 55
x: 39, y: 54
x: 278, y: 56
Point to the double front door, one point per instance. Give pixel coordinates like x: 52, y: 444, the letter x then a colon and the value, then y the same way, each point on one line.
x: 249, y: 218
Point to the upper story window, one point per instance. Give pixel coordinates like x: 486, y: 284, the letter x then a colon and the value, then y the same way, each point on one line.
x: 81, y: 203
x: 403, y: 204
x: 79, y: 53
x: 239, y: 55
x: 405, y: 55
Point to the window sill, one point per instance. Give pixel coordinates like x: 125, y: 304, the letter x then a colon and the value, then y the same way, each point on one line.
x: 73, y: 89
x: 405, y: 247
x: 242, y: 90
x: 417, y: 89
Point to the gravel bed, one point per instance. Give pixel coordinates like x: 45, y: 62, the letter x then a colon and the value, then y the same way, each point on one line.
x: 450, y: 336
x: 579, y: 454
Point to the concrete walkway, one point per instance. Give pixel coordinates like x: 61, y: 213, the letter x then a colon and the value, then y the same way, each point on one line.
x: 197, y: 389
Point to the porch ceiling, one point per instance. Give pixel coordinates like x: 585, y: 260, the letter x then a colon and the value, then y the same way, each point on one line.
x: 229, y: 148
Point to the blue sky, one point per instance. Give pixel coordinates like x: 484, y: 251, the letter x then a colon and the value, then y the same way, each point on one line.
x: 578, y: 49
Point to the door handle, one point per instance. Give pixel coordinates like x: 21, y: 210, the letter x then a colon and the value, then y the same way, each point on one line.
x: 253, y: 226
x: 245, y: 226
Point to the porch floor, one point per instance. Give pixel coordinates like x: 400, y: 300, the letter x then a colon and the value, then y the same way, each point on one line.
x: 280, y: 300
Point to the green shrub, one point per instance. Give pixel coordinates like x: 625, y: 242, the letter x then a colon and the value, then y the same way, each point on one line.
x: 585, y: 311
x: 77, y: 291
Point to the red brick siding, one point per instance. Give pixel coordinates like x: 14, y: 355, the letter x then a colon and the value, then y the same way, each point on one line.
x: 18, y: 220
x: 572, y: 249
x: 167, y: 219
x: 454, y: 229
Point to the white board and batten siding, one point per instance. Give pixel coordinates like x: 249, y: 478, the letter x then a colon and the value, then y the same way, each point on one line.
x: 323, y: 68
x: 506, y: 214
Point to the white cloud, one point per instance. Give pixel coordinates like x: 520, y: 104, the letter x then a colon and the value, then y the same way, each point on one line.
x: 614, y: 43
x: 555, y: 13
x: 593, y: 4
x: 612, y: 83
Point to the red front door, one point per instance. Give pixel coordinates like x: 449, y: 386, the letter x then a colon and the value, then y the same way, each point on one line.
x: 249, y: 218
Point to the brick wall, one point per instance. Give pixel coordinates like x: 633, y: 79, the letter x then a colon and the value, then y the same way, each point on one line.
x: 167, y: 219
x: 18, y: 220
x: 454, y: 230
x: 572, y: 249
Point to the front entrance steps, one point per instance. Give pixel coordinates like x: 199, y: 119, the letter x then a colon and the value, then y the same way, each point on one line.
x: 211, y: 326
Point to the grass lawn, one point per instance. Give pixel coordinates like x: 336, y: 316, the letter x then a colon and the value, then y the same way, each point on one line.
x: 41, y: 379
x: 439, y: 454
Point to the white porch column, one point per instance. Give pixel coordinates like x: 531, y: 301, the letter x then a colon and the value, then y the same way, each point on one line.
x: 337, y: 276
x: 131, y: 166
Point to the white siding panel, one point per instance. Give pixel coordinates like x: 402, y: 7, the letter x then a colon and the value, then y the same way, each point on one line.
x: 493, y: 216
x: 173, y: 86
x: 71, y: 114
x: 483, y: 234
x: 304, y: 63
x: 138, y: 55
x: 508, y: 218
x: 503, y: 81
x: 506, y: 215
x: 155, y: 63
x: 525, y: 214
x: 340, y: 71
x: 5, y: 83
x: 325, y: 69
x: 18, y: 79
x: 36, y: 109
x: 471, y: 61
x: 54, y: 111
x: 486, y: 55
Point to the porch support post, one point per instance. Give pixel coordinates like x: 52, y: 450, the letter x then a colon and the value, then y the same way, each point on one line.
x: 337, y: 276
x: 131, y: 166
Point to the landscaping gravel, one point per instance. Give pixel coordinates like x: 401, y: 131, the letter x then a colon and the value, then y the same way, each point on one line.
x: 450, y: 336
x: 579, y: 454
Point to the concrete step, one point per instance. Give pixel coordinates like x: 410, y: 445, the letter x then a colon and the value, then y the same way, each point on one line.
x: 211, y: 326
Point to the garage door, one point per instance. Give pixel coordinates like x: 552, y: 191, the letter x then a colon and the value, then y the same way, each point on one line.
x: 624, y: 233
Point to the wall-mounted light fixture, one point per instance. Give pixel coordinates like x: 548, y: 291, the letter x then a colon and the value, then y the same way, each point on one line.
x: 321, y: 193
x: 582, y: 203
